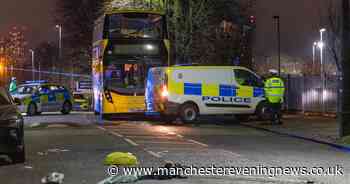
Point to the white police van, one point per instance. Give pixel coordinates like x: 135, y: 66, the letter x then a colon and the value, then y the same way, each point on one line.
x: 190, y: 91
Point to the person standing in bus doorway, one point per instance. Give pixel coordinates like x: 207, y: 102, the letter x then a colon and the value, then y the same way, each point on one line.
x: 13, y: 85
x: 274, y: 91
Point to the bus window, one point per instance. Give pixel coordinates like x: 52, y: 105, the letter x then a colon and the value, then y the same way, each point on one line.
x: 142, y: 25
x: 126, y: 78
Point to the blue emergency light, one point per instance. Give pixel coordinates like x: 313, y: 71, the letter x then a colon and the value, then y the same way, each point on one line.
x: 36, y: 82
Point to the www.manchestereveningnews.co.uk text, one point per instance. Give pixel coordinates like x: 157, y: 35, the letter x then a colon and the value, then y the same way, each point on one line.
x: 229, y: 171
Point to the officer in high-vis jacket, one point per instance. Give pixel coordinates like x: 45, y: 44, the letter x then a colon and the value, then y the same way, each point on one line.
x: 274, y: 92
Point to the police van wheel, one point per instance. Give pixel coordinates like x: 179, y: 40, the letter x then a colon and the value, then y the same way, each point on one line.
x: 262, y: 111
x: 189, y: 113
x: 66, y: 108
x: 32, y: 110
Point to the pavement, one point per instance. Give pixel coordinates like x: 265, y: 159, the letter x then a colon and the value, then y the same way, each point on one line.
x: 318, y: 128
x: 76, y: 146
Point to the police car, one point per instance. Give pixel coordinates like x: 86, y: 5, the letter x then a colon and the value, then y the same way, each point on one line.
x: 190, y: 91
x: 35, y: 97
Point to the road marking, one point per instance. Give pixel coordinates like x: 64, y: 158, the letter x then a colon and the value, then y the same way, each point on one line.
x: 199, y: 143
x: 178, y: 135
x: 230, y: 152
x: 116, y: 134
x: 131, y: 142
x: 101, y: 128
x: 154, y: 154
x: 166, y: 142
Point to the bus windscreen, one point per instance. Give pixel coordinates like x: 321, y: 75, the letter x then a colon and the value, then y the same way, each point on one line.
x: 138, y: 25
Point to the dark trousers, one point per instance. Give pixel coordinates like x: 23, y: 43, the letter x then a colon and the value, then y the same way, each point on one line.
x: 276, y: 113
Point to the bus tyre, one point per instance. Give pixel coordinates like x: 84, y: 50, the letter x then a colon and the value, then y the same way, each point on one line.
x: 189, y: 113
x: 66, y: 108
x: 242, y: 117
x: 168, y: 119
x: 32, y: 109
x: 261, y: 111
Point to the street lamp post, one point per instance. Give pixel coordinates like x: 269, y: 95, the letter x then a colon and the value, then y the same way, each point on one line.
x: 33, y: 67
x: 314, y: 54
x: 277, y: 18
x: 59, y: 27
x: 321, y: 45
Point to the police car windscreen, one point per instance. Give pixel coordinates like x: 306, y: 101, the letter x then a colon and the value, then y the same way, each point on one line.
x: 126, y: 78
x: 25, y: 90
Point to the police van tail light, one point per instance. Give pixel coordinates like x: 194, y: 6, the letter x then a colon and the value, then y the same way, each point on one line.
x: 165, y: 92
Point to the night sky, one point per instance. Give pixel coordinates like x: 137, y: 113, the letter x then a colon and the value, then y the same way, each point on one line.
x: 36, y: 15
x: 300, y: 20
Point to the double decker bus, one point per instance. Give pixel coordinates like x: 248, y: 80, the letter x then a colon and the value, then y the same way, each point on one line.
x: 128, y: 39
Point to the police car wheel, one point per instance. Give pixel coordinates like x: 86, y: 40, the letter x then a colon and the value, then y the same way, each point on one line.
x: 66, y: 108
x: 189, y: 113
x: 32, y: 110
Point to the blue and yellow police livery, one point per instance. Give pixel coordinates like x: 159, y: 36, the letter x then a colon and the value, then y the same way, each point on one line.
x: 35, y: 97
x: 129, y: 38
x: 188, y: 91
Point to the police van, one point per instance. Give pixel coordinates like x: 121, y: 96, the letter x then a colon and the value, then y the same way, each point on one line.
x: 191, y: 91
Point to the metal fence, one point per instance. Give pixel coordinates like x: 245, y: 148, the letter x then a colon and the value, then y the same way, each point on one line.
x: 311, y: 93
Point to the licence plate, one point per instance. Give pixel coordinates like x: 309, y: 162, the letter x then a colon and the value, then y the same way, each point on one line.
x: 136, y: 110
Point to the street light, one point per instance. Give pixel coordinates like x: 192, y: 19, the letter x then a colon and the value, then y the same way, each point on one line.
x: 277, y: 18
x: 33, y: 67
x: 321, y: 45
x: 59, y: 27
x: 314, y: 53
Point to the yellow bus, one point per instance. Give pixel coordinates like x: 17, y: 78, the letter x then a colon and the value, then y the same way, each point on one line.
x: 128, y: 39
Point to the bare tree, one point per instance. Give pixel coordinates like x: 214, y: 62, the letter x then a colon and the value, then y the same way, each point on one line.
x: 334, y: 32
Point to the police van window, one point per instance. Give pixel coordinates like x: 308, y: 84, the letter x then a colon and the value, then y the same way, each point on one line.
x: 246, y: 78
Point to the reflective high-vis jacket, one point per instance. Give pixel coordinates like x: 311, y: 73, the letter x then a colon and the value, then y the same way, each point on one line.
x: 274, y: 90
x: 13, y: 87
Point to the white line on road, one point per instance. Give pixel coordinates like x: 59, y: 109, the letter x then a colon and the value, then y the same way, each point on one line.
x: 232, y: 153
x: 101, y: 128
x: 178, y: 135
x: 131, y: 142
x: 199, y: 143
x: 154, y: 154
x: 166, y: 142
x: 116, y: 134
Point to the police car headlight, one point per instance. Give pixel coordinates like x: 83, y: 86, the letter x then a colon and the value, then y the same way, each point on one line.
x: 165, y: 92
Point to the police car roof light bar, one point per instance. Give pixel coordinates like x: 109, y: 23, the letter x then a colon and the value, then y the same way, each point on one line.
x: 36, y: 82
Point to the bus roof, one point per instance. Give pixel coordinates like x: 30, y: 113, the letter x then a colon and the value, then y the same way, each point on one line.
x: 116, y: 11
x: 207, y: 67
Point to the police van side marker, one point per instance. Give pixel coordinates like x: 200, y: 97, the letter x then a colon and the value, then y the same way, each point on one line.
x: 226, y: 99
x: 226, y: 105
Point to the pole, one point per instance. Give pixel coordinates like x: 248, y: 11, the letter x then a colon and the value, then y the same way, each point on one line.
x: 344, y: 88
x: 277, y: 18
x: 33, y: 67
x: 313, y: 54
x: 322, y: 69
